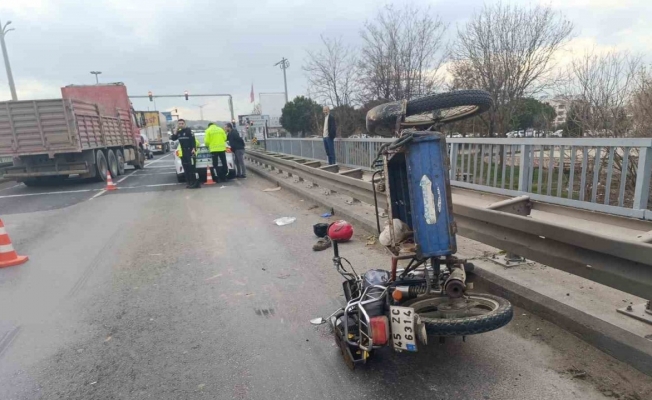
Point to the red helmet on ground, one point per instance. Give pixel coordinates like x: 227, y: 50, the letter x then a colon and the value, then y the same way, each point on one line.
x: 340, y: 231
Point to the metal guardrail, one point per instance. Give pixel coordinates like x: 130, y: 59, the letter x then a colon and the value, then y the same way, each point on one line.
x: 624, y: 264
x: 592, y: 174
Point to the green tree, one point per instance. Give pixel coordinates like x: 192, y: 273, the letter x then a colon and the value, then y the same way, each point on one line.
x: 571, y: 127
x: 301, y: 116
x: 531, y: 113
x: 350, y: 121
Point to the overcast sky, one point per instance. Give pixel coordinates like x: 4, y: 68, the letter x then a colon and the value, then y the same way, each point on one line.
x: 224, y: 46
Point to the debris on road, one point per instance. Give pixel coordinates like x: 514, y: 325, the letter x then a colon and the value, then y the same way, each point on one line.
x: 322, y: 244
x: 284, y: 221
x: 276, y: 189
x: 400, y: 232
x: 327, y: 215
x: 371, y: 240
x: 212, y: 277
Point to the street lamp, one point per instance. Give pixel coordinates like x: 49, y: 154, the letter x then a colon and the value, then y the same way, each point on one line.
x: 10, y: 77
x: 284, y: 64
x: 96, y: 73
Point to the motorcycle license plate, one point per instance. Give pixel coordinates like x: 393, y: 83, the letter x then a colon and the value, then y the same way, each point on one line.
x: 404, y: 336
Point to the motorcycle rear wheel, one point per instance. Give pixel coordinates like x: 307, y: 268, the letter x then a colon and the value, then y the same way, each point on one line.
x: 470, y: 315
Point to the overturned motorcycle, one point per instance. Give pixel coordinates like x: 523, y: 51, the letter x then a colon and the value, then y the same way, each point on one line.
x: 430, y: 297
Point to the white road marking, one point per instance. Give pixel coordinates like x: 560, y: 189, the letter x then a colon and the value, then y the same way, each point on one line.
x: 146, y: 165
x: 49, y: 193
x: 157, y: 185
x: 11, y: 187
x: 98, y: 195
x: 162, y: 158
x: 125, y: 177
x: 158, y: 173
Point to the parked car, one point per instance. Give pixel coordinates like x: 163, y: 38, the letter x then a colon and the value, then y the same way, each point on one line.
x: 204, y: 159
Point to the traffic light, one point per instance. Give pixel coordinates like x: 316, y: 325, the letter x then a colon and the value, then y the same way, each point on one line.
x: 186, y: 94
x: 151, y: 98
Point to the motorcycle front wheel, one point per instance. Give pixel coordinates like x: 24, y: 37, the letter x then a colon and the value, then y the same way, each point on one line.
x: 470, y: 315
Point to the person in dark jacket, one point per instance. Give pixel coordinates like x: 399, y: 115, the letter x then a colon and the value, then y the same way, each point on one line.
x: 188, y: 152
x: 330, y: 130
x: 238, y: 148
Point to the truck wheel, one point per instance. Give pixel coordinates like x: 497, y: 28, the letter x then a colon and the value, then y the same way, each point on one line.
x: 113, y: 163
x: 33, y: 182
x: 121, y: 162
x: 140, y: 163
x: 101, y: 166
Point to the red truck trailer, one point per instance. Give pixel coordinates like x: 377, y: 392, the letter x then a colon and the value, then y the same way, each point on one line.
x: 88, y: 132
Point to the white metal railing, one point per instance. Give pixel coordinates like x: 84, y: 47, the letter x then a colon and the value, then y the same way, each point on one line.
x: 608, y: 175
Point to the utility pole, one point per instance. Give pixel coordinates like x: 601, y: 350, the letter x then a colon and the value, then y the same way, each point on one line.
x: 10, y: 77
x: 96, y: 73
x: 284, y: 64
x: 231, y: 108
x: 201, y: 111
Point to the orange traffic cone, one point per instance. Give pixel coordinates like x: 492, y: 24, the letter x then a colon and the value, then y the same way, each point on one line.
x: 109, y: 182
x: 8, y: 256
x: 209, y: 176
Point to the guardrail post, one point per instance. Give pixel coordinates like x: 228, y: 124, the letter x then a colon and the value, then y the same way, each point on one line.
x: 642, y: 190
x: 524, y: 169
x: 520, y: 205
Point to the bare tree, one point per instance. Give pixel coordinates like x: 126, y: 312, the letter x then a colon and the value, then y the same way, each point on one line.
x: 600, y: 88
x: 403, y: 51
x: 641, y: 104
x: 331, y: 73
x: 510, y: 52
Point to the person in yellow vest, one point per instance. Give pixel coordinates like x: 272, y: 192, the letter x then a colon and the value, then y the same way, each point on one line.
x: 193, y: 163
x: 188, y: 144
x: 215, y: 140
x: 197, y: 145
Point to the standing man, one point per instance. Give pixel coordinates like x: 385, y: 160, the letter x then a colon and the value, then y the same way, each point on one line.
x: 215, y: 140
x: 188, y: 152
x: 238, y: 148
x: 330, y: 130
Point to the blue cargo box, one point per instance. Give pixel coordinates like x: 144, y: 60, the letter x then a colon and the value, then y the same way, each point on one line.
x: 425, y: 203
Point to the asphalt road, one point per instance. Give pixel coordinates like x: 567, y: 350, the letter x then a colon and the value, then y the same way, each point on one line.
x: 157, y: 292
